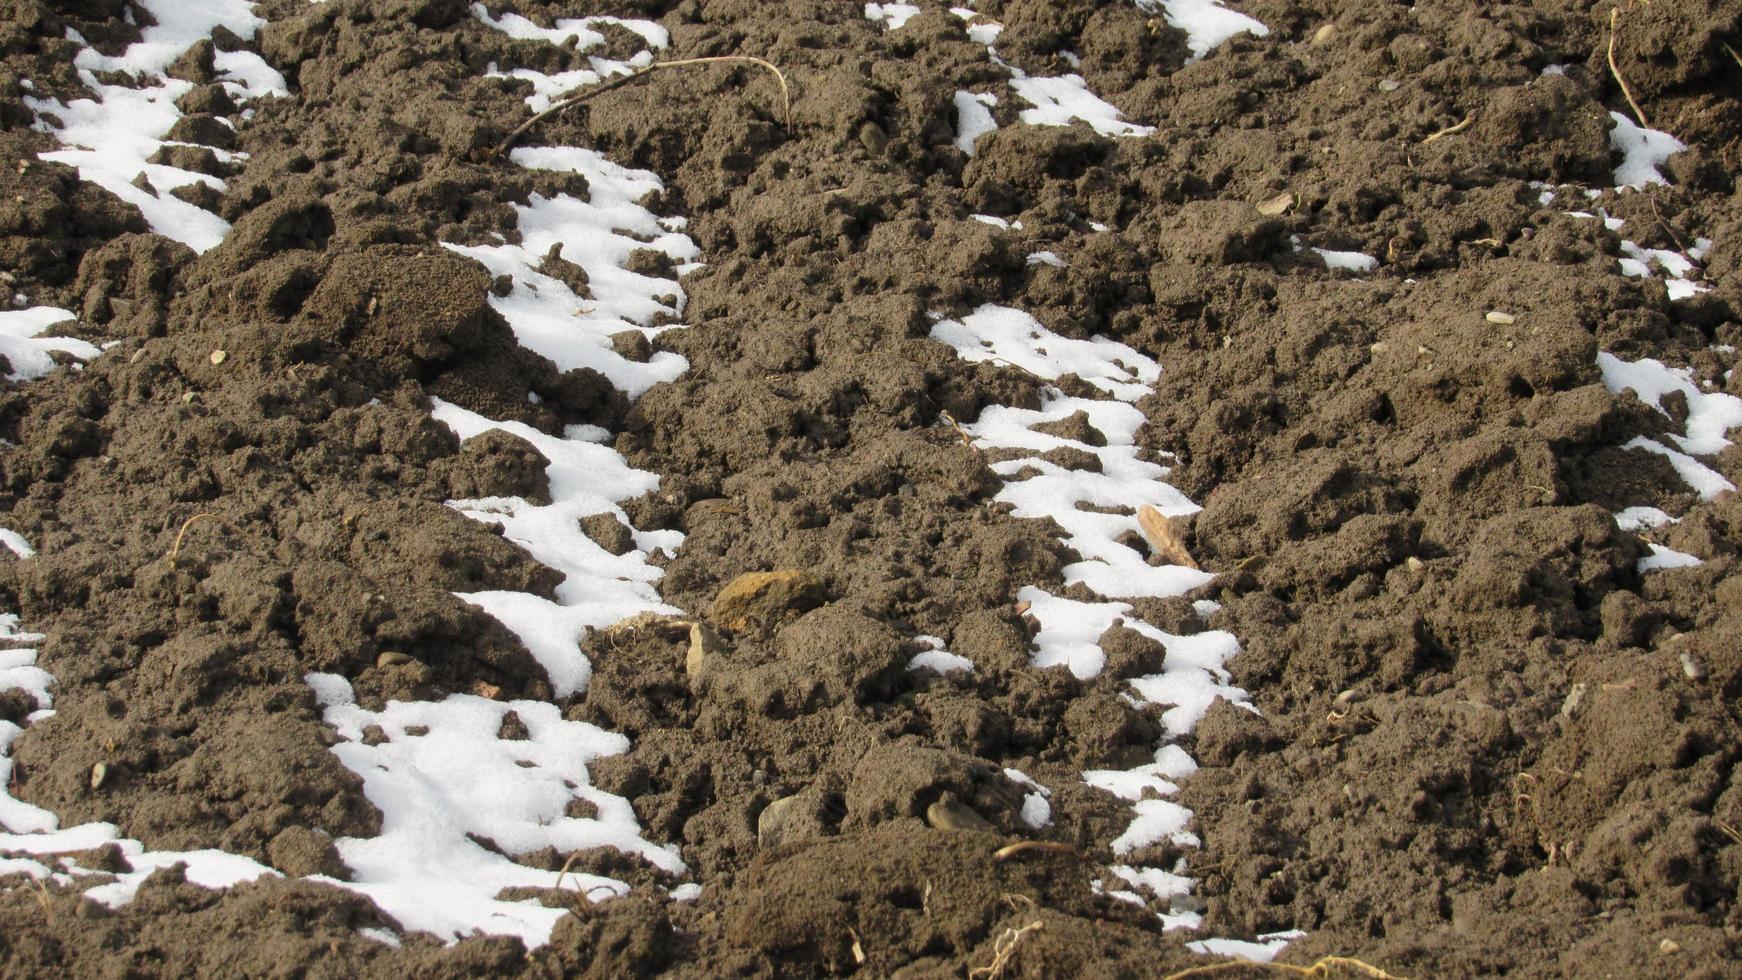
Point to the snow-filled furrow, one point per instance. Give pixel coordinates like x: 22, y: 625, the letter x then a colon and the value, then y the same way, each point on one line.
x: 1096, y: 508
x: 1710, y: 414
x: 109, y: 138
x: 442, y: 778
x: 112, y: 136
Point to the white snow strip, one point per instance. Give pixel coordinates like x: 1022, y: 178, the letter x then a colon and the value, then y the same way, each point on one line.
x: 1639, y: 260
x: 1063, y: 99
x: 1662, y: 557
x: 27, y: 351
x: 110, y: 136
x: 1207, y: 23
x: 1350, y: 261
x: 937, y: 658
x: 1056, y: 101
x: 1046, y: 258
x: 1262, y: 951
x: 1710, y: 414
x: 1091, y: 489
x: 973, y: 119
x: 1095, y: 506
x: 599, y: 588
x: 15, y: 543
x: 443, y: 779
x: 1642, y: 518
x: 1010, y: 336
x: 596, y: 234
x: 1704, y: 480
x: 1642, y: 152
x: 1036, y: 805
x: 894, y: 16
x: 582, y: 29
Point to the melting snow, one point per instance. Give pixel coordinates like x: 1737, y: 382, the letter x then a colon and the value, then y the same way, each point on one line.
x: 1642, y: 152
x: 110, y: 137
x: 1206, y: 22
x: 27, y: 352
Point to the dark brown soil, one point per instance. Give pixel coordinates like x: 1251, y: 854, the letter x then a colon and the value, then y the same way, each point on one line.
x: 1409, y: 507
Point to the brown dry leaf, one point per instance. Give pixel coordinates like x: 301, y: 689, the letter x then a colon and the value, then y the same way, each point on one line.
x: 1163, y: 537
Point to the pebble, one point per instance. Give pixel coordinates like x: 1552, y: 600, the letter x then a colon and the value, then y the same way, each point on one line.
x: 218, y: 357
x: 1414, y: 564
x: 1669, y: 947
x: 1276, y: 205
x: 394, y: 658
x: 771, y: 824
x: 1501, y: 317
x: 1389, y: 85
x: 950, y: 815
x: 704, y: 644
x: 99, y: 775
x: 1575, y: 697
x: 1324, y: 35
x: 765, y: 596
x: 1692, y: 668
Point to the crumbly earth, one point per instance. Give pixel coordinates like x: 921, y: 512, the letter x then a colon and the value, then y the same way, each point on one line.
x: 1410, y: 506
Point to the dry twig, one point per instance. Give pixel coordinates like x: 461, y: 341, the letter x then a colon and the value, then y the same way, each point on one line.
x: 1452, y: 130
x: 1009, y: 851
x: 176, y: 548
x: 1638, y: 113
x: 508, y: 141
x: 1320, y: 968
x: 1003, y: 950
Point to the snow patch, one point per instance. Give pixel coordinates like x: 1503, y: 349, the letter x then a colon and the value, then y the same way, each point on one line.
x: 27, y: 351
x: 1642, y: 152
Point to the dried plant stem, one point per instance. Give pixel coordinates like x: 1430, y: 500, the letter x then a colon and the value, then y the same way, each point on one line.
x: 1638, y: 113
x: 176, y: 548
x: 1452, y: 130
x: 1321, y: 968
x: 1009, y: 851
x: 785, y: 92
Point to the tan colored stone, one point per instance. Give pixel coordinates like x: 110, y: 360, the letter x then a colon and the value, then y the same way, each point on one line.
x: 763, y: 597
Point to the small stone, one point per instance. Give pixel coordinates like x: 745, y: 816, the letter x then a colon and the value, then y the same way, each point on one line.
x: 1669, y: 947
x: 1414, y: 564
x: 1691, y: 668
x: 394, y: 658
x: 1378, y: 347
x: 948, y: 814
x: 872, y: 137
x: 217, y: 357
x: 1500, y: 317
x: 771, y: 824
x: 763, y: 597
x: 1575, y: 697
x: 99, y: 775
x: 1345, y: 699
x: 704, y: 644
x: 1324, y: 35
x: 1276, y: 205
x: 190, y: 398
x: 1389, y: 85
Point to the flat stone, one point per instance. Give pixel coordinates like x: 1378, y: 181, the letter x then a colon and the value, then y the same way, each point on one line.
x: 764, y: 597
